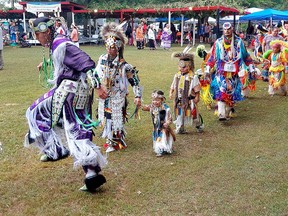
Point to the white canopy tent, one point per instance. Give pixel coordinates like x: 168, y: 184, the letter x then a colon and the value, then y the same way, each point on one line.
x: 237, y: 17
x: 210, y: 20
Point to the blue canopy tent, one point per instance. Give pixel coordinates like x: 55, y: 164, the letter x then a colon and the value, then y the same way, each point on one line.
x: 268, y: 14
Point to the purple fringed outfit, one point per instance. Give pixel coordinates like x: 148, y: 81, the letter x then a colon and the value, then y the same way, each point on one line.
x: 166, y: 38
x: 66, y: 108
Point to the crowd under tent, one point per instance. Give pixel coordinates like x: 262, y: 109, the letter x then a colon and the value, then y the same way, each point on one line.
x: 70, y: 9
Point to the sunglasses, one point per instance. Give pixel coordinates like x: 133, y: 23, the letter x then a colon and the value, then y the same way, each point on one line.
x: 43, y: 26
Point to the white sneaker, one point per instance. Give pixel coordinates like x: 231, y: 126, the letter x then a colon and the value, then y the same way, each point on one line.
x: 200, y: 128
x: 26, y: 140
x: 222, y: 118
x: 110, y: 149
x: 44, y: 158
x: 83, y: 188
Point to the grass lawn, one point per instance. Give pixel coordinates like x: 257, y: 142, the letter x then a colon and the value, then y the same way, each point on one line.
x: 237, y: 167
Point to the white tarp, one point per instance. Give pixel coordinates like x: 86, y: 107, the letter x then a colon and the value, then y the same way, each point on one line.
x: 230, y: 18
x: 34, y: 7
x: 210, y: 20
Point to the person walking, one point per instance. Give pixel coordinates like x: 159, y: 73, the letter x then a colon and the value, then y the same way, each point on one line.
x: 66, y: 108
x: 228, y: 54
x: 116, y: 75
x: 74, y: 35
x: 151, y: 37
x: 166, y: 37
x: 140, y: 37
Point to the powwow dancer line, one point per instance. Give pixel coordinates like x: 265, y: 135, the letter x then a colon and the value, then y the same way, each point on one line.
x: 228, y: 53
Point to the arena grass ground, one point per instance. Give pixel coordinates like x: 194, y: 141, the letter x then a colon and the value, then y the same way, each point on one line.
x: 237, y: 167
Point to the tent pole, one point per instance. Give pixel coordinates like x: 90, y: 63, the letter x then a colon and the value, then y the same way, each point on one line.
x: 24, y: 21
x: 218, y: 23
x: 169, y: 19
x: 234, y: 20
x: 193, y: 31
x: 132, y: 20
x: 73, y: 18
x: 182, y: 28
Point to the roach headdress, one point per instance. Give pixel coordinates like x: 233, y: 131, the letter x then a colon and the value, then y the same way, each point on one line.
x: 114, y: 35
x: 185, y: 58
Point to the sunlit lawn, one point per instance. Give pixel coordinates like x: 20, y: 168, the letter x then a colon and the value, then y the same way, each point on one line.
x: 234, y: 168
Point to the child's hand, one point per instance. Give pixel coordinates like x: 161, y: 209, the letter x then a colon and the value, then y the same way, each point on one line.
x: 137, y: 102
x: 165, y: 125
x: 40, y: 66
x: 146, y: 108
x: 171, y: 94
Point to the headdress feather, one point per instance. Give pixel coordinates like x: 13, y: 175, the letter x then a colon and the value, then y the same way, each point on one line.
x: 282, y: 43
x: 114, y: 30
x: 185, y: 55
x: 200, y: 51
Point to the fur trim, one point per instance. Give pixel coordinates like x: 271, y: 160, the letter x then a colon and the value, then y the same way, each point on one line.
x: 281, y: 43
x: 187, y: 57
x: 200, y: 51
x: 84, y: 151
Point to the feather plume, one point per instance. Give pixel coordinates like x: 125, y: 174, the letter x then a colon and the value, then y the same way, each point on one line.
x: 114, y: 30
x: 200, y: 51
x: 187, y: 48
x: 282, y: 43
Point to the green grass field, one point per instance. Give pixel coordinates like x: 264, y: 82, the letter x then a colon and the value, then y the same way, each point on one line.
x: 234, y: 168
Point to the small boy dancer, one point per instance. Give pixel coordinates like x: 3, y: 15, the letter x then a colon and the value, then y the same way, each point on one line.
x: 163, y: 135
x: 278, y: 61
x: 186, y: 86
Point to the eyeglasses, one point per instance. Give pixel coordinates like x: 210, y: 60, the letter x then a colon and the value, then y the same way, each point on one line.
x: 43, y: 26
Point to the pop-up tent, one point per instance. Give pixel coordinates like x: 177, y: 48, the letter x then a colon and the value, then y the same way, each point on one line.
x: 231, y: 18
x: 268, y: 14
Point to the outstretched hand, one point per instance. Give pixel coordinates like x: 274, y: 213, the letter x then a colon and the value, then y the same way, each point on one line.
x: 137, y: 102
x: 39, y: 66
x: 102, y: 93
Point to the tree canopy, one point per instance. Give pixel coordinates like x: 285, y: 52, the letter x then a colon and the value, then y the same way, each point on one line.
x: 120, y: 4
x: 112, y: 4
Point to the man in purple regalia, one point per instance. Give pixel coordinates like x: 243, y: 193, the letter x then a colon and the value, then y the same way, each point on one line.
x: 66, y: 107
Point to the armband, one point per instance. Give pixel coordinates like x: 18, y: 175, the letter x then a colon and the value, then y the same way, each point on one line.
x: 137, y: 90
x: 251, y: 68
x: 191, y: 97
x: 93, y: 79
x: 207, y: 70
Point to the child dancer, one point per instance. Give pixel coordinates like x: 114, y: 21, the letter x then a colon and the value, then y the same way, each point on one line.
x: 186, y: 86
x: 205, y: 94
x: 163, y: 135
x: 278, y: 61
